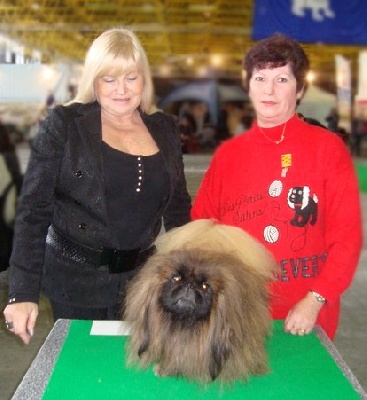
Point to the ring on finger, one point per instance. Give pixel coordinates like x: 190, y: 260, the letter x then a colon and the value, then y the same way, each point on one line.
x: 9, y: 324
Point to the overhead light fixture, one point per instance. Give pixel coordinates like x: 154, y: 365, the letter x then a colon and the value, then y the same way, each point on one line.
x: 216, y: 60
x: 310, y: 77
x: 165, y: 70
x: 189, y: 61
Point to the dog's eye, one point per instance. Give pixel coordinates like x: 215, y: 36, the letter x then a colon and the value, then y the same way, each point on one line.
x: 205, y: 286
x: 176, y: 278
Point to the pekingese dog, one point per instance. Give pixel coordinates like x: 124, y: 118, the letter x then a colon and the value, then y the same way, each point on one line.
x: 199, y: 306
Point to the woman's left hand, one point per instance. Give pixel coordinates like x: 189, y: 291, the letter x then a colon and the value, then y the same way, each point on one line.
x: 302, y: 317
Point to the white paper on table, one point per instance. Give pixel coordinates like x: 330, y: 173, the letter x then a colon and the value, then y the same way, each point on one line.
x: 110, y: 328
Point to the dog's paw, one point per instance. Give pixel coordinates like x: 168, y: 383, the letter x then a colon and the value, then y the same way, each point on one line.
x: 158, y: 371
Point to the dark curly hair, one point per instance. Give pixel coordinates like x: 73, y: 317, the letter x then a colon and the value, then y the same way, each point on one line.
x: 274, y: 52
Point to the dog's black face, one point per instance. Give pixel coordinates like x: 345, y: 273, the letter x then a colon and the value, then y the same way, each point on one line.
x: 296, y: 195
x: 187, y: 295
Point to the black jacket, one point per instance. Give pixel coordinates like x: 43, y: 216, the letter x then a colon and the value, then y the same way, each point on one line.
x: 64, y: 186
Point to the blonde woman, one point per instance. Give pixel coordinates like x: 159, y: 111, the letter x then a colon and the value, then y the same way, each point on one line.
x: 104, y: 172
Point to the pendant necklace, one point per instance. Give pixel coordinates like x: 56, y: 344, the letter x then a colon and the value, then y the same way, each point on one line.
x: 275, y: 141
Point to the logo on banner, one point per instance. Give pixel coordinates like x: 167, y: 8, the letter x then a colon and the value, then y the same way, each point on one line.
x: 312, y: 21
x: 319, y: 9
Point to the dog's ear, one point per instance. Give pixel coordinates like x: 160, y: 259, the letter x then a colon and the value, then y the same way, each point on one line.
x: 220, y: 341
x: 305, y: 197
x: 140, y: 303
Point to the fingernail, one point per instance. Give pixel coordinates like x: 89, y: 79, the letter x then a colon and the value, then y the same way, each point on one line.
x: 30, y: 332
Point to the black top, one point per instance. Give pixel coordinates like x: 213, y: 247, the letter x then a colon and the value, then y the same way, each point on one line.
x: 64, y: 186
x: 133, y: 183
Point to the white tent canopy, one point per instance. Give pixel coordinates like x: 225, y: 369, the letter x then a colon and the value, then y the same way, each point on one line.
x: 207, y: 91
x: 316, y: 103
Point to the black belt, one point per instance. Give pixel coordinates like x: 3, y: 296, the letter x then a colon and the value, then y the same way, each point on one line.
x: 115, y: 261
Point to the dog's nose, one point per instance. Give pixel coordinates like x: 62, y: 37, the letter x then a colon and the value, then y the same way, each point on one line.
x: 190, y: 291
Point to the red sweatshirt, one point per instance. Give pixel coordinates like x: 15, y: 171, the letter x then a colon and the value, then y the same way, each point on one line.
x: 301, y: 199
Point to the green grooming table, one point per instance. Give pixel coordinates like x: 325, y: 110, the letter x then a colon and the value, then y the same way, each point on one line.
x: 72, y: 364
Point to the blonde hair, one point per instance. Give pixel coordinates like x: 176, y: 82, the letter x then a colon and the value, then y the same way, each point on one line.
x: 115, y: 52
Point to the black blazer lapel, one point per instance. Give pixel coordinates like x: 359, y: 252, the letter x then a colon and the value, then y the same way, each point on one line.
x: 90, y: 132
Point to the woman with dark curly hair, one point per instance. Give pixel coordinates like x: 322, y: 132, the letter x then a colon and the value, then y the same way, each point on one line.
x: 292, y: 185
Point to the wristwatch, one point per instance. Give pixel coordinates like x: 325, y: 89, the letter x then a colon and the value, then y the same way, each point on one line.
x: 318, y: 297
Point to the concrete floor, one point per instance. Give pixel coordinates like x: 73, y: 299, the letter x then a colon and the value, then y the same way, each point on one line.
x: 350, y: 340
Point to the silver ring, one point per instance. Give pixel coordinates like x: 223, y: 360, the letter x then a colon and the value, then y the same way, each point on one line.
x: 9, y: 324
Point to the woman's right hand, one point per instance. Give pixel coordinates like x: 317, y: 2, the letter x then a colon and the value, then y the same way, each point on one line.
x: 22, y: 318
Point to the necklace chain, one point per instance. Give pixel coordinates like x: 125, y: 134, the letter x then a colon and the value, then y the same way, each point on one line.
x: 275, y: 141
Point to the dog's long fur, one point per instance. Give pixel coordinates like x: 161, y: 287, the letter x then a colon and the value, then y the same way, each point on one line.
x: 230, y: 343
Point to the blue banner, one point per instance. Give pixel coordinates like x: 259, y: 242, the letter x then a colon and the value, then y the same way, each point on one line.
x: 342, y: 22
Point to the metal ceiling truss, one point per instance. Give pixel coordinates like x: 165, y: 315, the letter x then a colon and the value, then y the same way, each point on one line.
x: 172, y: 31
